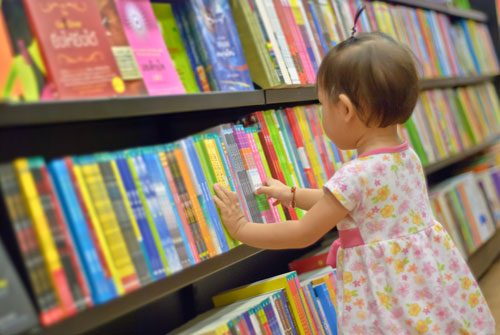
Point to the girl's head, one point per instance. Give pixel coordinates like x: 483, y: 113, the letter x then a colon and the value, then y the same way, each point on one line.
x: 367, y: 81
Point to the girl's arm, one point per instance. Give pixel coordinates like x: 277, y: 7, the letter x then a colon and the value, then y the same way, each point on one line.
x: 305, y: 198
x: 320, y: 219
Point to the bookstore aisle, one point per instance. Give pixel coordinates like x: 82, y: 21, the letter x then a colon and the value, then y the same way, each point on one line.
x: 489, y: 286
x: 117, y: 117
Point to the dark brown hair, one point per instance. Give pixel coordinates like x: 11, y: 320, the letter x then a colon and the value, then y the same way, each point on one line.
x: 377, y: 73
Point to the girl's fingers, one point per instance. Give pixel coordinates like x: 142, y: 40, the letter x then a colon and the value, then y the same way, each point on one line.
x: 218, y: 202
x: 220, y: 192
x: 263, y: 190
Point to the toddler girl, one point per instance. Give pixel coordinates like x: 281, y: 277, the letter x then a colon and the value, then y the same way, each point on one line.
x: 398, y: 271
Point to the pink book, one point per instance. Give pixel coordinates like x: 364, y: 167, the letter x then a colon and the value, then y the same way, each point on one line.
x: 275, y: 215
x: 146, y: 40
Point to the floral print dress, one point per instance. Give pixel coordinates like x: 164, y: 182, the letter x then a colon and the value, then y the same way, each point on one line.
x: 398, y: 271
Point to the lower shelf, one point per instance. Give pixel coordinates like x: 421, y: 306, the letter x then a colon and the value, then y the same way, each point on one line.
x: 99, y: 315
x: 482, y: 258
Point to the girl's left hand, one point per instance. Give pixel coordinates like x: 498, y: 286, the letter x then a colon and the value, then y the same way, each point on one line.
x: 230, y: 209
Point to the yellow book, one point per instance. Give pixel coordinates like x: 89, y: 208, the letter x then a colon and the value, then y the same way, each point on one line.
x: 442, y: 110
x: 128, y: 206
x: 287, y: 281
x: 309, y: 145
x: 487, y: 124
x: 330, y: 20
x: 433, y: 123
x: 492, y: 94
x: 470, y: 112
x: 97, y: 228
x: 109, y: 224
x: 47, y: 244
x: 383, y: 18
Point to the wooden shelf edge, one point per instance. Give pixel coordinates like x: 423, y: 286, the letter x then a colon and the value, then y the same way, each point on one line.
x: 430, y: 84
x: 434, y: 167
x: 99, y: 315
x: 480, y: 261
x: 453, y: 11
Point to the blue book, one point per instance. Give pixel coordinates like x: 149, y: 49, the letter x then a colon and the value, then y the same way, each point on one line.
x: 324, y: 43
x: 287, y: 312
x: 271, y: 316
x: 215, y: 25
x: 321, y: 315
x: 102, y: 288
x: 439, y: 43
x: 166, y: 241
x: 246, y: 316
x: 193, y: 56
x: 148, y: 243
x: 176, y: 225
x: 206, y: 187
x: 326, y: 303
x: 470, y: 45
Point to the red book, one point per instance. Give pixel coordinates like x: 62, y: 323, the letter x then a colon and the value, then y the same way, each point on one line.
x: 75, y: 48
x: 285, y: 25
x: 306, y: 164
x: 310, y: 262
x: 310, y: 113
x: 79, y: 286
x: 429, y: 44
x: 273, y: 160
x: 444, y: 26
x: 90, y: 227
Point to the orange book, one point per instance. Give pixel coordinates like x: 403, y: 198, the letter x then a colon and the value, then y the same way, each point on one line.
x: 194, y: 201
x: 9, y: 88
x: 429, y: 44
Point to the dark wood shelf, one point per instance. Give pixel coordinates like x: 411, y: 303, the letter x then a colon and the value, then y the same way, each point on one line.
x: 65, y: 111
x: 449, y: 10
x: 96, y: 316
x: 434, y: 167
x: 480, y: 261
x: 430, y: 84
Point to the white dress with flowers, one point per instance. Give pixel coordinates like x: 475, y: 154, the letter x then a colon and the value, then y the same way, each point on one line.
x: 398, y: 271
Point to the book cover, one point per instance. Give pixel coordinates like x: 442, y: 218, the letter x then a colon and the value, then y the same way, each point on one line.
x: 214, y: 22
x: 27, y: 68
x: 75, y: 48
x: 17, y: 315
x: 170, y: 32
x: 123, y: 53
x: 42, y: 286
x: 145, y: 38
x: 328, y: 308
x: 102, y: 288
x: 117, y: 199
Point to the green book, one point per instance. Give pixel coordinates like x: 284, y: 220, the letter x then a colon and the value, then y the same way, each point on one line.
x: 175, y: 45
x: 459, y: 212
x: 465, y: 119
x: 415, y: 140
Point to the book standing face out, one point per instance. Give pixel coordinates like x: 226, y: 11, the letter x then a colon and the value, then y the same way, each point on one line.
x: 145, y: 38
x: 75, y: 48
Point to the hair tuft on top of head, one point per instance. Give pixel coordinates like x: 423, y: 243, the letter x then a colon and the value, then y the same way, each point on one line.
x: 356, y: 18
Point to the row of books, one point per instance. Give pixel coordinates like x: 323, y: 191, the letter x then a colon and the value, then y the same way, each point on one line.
x: 103, y: 48
x: 446, y: 122
x: 285, y: 41
x: 133, y: 47
x: 285, y: 304
x: 94, y: 227
x: 462, y: 206
x: 442, y: 48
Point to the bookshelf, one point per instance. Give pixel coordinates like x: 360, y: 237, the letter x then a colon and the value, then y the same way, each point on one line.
x: 49, y: 129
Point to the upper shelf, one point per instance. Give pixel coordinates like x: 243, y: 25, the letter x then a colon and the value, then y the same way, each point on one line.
x: 449, y: 10
x: 53, y: 112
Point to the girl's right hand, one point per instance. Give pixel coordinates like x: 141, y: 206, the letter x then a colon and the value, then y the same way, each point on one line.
x: 274, y: 188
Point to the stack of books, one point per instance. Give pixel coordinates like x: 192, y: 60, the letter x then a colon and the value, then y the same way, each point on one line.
x: 447, y: 122
x: 285, y: 304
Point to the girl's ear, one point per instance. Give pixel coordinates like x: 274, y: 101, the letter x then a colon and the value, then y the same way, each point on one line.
x: 347, y: 108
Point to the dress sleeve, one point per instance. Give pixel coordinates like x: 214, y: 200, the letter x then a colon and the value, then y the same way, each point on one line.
x: 346, y: 186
